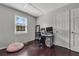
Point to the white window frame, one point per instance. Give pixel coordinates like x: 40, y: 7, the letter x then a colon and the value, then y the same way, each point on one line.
x: 20, y: 32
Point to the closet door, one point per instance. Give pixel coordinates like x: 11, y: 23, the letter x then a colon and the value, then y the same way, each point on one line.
x: 62, y: 29
x: 75, y: 29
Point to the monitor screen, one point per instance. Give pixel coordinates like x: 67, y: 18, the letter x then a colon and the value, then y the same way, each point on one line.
x: 48, y: 29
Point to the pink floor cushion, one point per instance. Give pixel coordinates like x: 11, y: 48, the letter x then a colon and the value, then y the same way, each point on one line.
x: 16, y: 46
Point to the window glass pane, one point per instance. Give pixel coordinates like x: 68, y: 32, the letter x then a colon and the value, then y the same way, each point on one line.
x: 20, y: 24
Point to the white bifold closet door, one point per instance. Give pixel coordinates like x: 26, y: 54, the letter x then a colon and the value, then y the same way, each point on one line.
x: 75, y: 29
x: 62, y: 29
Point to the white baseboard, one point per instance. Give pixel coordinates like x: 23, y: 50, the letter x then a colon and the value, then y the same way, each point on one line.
x: 62, y: 46
x: 22, y: 42
x: 2, y: 48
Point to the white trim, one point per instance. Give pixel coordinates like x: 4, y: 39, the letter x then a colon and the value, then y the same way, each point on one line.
x: 3, y: 48
x: 62, y: 46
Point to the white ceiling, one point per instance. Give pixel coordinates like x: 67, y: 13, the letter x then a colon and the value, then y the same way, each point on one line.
x: 35, y: 9
x: 47, y: 7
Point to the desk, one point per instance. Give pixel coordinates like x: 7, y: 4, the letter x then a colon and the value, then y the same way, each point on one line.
x: 48, y: 40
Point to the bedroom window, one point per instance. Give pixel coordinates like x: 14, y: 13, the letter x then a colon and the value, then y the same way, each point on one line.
x: 20, y: 24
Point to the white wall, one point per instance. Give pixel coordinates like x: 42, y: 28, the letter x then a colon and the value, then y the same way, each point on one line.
x: 60, y: 24
x: 7, y: 35
x: 60, y: 21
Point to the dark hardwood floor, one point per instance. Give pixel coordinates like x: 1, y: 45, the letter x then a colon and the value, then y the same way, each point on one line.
x: 33, y: 49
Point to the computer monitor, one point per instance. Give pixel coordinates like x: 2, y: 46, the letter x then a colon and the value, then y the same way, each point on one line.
x: 49, y: 29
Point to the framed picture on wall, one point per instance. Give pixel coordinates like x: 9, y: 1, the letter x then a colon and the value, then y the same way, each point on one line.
x: 20, y: 24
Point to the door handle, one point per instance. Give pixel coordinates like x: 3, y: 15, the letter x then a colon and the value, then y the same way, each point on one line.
x: 73, y: 32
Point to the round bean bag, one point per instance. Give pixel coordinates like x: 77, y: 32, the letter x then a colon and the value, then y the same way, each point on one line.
x: 16, y: 46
